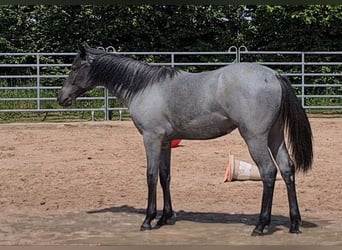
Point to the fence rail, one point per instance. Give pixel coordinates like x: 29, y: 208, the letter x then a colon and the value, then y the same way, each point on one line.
x: 35, y: 78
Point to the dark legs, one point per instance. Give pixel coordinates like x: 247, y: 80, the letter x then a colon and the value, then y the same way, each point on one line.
x: 158, y: 162
x: 259, y: 146
x: 268, y: 171
x: 287, y: 170
x: 153, y: 150
x: 164, y: 173
x: 259, y: 151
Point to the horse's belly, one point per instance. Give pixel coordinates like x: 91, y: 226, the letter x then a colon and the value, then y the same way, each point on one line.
x: 206, y: 128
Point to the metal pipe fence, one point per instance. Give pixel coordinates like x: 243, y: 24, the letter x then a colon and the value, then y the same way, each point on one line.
x: 29, y: 82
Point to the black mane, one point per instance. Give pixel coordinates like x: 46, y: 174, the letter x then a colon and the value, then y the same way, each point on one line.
x: 127, y: 76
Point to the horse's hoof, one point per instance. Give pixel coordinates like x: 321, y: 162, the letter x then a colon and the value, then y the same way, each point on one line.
x: 145, y: 227
x: 257, y: 232
x: 169, y: 221
x: 294, y: 231
x: 294, y: 227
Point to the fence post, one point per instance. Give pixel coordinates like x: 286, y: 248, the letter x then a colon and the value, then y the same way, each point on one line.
x: 303, y: 80
x: 106, y: 104
x: 236, y: 53
x: 110, y: 49
x: 172, y: 59
x: 38, y: 82
x: 239, y: 52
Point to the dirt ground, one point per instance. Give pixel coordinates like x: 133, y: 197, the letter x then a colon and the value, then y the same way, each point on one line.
x: 84, y: 183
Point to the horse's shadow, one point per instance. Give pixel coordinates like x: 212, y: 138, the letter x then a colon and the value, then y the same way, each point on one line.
x: 211, y: 217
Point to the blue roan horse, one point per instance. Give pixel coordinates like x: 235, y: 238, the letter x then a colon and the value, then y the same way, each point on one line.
x: 167, y: 104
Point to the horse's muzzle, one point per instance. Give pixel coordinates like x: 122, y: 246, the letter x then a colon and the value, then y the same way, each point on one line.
x: 63, y: 100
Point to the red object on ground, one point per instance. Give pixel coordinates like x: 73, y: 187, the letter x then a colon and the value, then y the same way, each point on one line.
x: 175, y: 143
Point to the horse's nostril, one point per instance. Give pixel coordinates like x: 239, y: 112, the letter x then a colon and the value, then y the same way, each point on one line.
x: 63, y: 101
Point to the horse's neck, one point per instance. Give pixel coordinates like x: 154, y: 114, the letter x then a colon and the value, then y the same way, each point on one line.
x: 123, y: 82
x: 126, y: 78
x: 120, y: 94
x: 115, y: 83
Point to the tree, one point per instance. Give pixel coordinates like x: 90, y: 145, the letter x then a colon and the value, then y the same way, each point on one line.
x: 306, y: 27
x: 53, y: 28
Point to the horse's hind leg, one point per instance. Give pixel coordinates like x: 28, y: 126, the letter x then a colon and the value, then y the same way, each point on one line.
x: 287, y: 170
x: 258, y: 148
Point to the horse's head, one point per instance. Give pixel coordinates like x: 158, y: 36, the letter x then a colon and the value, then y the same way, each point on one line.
x: 78, y: 81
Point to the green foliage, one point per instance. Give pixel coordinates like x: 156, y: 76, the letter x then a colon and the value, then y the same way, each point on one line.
x: 55, y: 28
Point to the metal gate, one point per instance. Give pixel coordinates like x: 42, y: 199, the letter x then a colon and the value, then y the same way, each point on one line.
x: 29, y: 82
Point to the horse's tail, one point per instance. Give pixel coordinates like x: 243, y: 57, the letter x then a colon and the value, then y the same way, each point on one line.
x: 297, y: 126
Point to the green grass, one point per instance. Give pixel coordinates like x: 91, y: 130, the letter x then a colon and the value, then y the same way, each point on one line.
x: 52, y: 104
x: 6, y: 117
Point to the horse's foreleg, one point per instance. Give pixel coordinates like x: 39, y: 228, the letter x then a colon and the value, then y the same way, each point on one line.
x: 259, y: 151
x: 164, y: 173
x: 153, y: 149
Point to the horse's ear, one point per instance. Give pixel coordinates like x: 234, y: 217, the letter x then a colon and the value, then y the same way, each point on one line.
x: 82, y: 50
x: 85, y: 45
x: 85, y: 52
